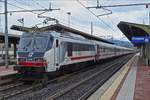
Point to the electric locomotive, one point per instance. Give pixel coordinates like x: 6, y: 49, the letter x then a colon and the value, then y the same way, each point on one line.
x: 42, y: 53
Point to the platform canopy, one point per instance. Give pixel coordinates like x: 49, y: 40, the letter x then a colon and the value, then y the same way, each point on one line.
x: 12, y: 38
x: 134, y: 30
x: 58, y: 28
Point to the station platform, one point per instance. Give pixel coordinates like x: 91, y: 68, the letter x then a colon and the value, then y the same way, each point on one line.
x: 11, y: 61
x: 131, y: 82
x: 6, y: 72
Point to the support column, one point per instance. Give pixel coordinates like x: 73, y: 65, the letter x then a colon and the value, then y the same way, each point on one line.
x: 147, y: 54
x: 6, y: 36
x: 15, y: 49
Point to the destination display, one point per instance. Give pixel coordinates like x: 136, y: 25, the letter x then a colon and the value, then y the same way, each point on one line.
x: 140, y: 39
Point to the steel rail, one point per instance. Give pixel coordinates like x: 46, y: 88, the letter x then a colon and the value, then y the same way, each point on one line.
x: 51, y: 81
x: 93, y: 89
x: 10, y: 86
x: 68, y: 89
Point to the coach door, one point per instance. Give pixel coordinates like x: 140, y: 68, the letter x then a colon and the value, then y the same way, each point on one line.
x: 98, y: 52
x: 57, y: 53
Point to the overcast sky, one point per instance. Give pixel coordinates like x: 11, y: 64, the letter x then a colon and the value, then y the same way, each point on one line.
x: 80, y: 16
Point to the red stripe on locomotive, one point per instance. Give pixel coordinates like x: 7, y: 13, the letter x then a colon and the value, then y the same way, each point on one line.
x: 81, y: 57
x: 33, y: 63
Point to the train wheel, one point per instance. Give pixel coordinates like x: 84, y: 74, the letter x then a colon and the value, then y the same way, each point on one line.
x: 44, y: 80
x: 34, y: 85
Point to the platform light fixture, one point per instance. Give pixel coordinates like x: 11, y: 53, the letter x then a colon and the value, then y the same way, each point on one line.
x: 69, y: 18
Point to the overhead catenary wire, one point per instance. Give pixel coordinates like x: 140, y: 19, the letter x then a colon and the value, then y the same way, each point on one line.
x: 121, y: 5
x: 22, y: 2
x: 17, y: 7
x: 27, y: 3
x: 24, y: 10
x: 109, y: 16
x: 38, y: 4
x: 20, y: 7
x: 96, y: 16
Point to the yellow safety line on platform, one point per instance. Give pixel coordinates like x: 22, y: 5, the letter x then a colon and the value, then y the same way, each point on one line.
x: 109, y: 93
x: 106, y: 91
x: 111, y: 90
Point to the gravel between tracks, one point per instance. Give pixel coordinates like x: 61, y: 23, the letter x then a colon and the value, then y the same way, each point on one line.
x: 80, y: 90
x: 56, y: 86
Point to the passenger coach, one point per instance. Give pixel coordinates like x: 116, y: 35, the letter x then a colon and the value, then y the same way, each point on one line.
x: 59, y: 49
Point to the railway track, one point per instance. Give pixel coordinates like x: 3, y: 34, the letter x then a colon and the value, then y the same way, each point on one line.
x: 18, y: 88
x: 13, y: 88
x: 9, y: 86
x: 6, y: 81
x: 65, y: 89
x: 10, y: 89
x: 57, y: 88
x: 82, y: 89
x: 14, y: 91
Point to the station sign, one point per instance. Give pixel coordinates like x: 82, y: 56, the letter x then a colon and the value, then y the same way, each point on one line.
x: 140, y: 39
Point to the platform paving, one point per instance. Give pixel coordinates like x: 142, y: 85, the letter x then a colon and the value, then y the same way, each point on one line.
x: 127, y: 90
x: 106, y: 92
x: 7, y: 71
x: 142, y: 86
x: 137, y: 84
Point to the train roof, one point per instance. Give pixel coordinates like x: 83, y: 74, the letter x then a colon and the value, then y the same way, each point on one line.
x: 114, y: 46
x: 60, y: 28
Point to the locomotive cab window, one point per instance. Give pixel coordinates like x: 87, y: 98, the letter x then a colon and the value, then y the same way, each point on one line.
x: 35, y: 42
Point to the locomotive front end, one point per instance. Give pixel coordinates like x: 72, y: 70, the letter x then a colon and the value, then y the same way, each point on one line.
x: 30, y: 55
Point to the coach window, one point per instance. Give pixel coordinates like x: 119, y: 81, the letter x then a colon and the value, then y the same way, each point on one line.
x: 69, y: 49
